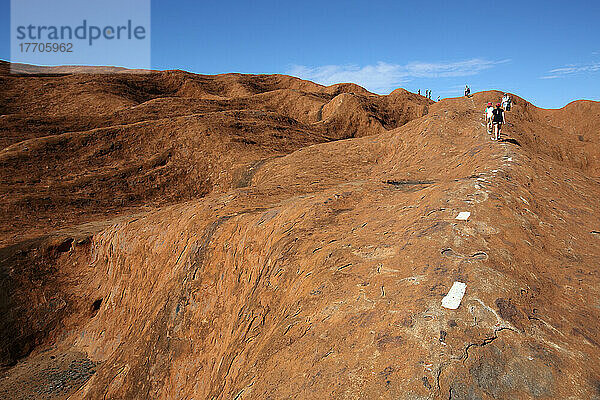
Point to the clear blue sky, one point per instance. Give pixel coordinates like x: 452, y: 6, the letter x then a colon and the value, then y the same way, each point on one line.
x: 545, y: 51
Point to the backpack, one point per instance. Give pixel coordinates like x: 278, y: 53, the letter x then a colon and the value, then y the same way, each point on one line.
x: 498, y: 114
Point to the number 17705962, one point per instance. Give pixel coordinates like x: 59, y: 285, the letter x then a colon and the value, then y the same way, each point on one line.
x: 46, y: 47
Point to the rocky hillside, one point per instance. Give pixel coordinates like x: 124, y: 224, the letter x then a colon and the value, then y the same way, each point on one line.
x: 172, y: 235
x: 77, y: 148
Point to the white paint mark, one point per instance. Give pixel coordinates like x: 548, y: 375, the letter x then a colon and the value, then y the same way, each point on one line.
x: 455, y: 294
x: 463, y: 215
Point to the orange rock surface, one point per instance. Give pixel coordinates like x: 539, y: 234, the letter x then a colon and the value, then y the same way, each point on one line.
x: 179, y: 236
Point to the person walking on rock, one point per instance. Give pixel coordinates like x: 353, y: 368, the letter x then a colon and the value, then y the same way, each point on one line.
x: 497, y: 121
x: 488, y: 116
x: 467, y: 90
x: 506, y: 101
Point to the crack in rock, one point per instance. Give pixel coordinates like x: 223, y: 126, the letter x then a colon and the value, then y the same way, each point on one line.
x: 485, y: 341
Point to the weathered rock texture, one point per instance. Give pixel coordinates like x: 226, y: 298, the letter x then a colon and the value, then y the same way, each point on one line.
x: 261, y: 237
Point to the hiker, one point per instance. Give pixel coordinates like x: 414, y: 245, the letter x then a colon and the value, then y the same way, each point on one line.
x: 438, y: 99
x: 419, y: 92
x: 488, y: 116
x: 506, y: 101
x: 497, y: 121
x: 467, y: 90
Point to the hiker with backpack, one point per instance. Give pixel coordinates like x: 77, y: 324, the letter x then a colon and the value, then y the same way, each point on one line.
x: 488, y: 116
x: 467, y: 90
x: 506, y: 101
x: 497, y: 121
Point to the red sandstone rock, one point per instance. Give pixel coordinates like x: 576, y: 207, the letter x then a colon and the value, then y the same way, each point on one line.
x: 207, y: 238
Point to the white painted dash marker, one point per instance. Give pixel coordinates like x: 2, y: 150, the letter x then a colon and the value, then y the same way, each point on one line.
x: 463, y: 215
x: 455, y: 294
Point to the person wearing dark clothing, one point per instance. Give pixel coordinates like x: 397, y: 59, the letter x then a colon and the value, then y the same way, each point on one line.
x: 497, y: 121
x: 467, y: 90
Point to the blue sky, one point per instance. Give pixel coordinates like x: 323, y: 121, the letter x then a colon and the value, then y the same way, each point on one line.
x: 545, y: 51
